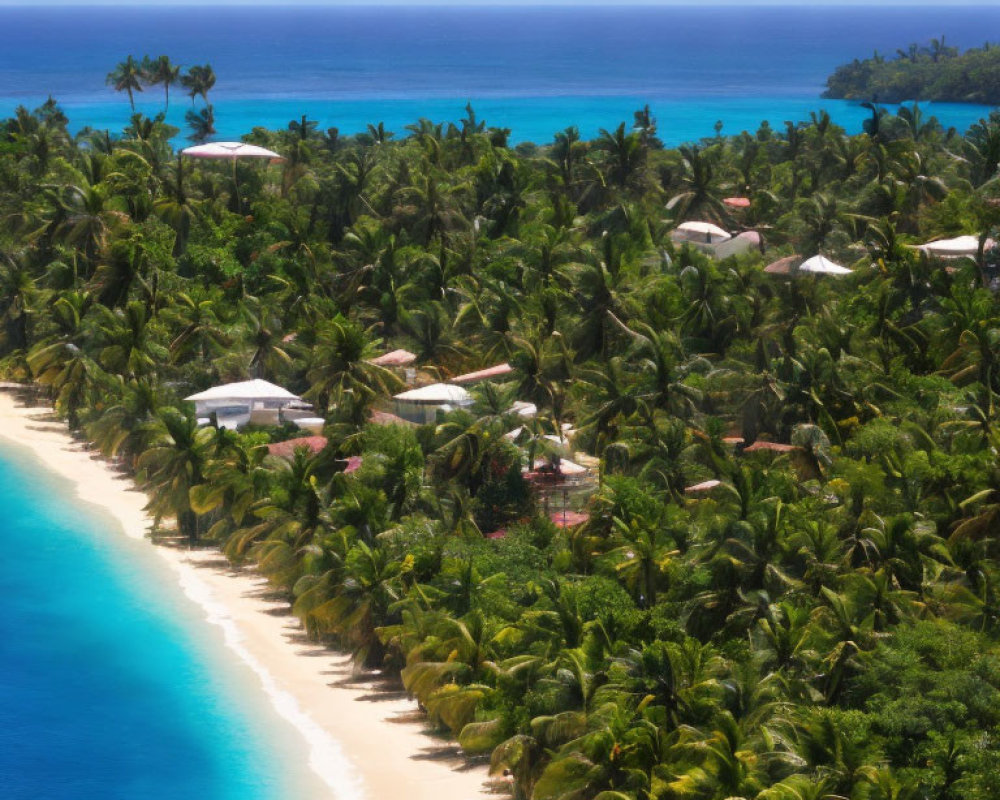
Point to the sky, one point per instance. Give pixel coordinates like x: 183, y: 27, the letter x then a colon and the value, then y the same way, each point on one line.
x: 791, y: 3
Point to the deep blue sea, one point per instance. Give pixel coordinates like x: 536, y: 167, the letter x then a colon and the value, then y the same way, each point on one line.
x: 535, y: 70
x: 112, y: 685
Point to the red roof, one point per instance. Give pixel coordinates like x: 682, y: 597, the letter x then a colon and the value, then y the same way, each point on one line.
x: 484, y: 374
x: 385, y: 418
x: 774, y: 447
x: 395, y: 358
x: 287, y: 448
x: 733, y: 439
x: 737, y: 202
x: 568, y: 519
x: 353, y: 464
x: 783, y: 266
x: 497, y: 534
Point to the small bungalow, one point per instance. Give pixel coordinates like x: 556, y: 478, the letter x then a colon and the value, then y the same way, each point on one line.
x: 422, y: 405
x: 238, y: 404
x: 713, y: 240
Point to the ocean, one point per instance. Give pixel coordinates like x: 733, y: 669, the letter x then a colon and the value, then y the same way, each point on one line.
x: 535, y: 70
x: 112, y: 684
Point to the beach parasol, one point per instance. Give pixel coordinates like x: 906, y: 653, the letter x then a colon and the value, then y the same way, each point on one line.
x: 231, y: 151
x: 707, y: 229
x: 817, y: 265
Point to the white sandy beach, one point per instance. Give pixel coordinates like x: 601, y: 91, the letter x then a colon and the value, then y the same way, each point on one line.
x: 363, y: 742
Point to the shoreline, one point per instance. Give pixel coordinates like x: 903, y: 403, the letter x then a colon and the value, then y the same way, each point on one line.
x: 363, y: 742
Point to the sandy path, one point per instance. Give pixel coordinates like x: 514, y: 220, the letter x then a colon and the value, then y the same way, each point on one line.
x: 363, y: 741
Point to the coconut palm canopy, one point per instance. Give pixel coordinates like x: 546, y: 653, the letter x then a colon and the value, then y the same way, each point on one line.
x: 230, y: 150
x: 758, y: 622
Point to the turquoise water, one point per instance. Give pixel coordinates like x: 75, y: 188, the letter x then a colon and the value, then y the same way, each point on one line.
x: 534, y: 70
x: 531, y: 119
x: 112, y: 684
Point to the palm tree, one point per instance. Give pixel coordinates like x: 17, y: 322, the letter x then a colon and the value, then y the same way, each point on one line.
x: 173, y: 465
x: 626, y: 155
x: 178, y: 209
x: 130, y: 340
x: 161, y: 70
x: 202, y: 123
x: 17, y: 295
x: 263, y: 334
x: 361, y: 605
x: 127, y: 77
x: 642, y: 556
x: 198, y: 81
x: 982, y: 150
x: 120, y: 430
x: 70, y: 372
x: 341, y: 368
x: 200, y: 334
x: 700, y: 195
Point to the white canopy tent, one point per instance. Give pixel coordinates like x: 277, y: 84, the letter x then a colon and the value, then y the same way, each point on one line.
x: 959, y: 247
x: 820, y: 265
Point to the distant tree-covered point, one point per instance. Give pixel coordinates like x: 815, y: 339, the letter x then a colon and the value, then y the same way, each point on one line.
x: 934, y: 72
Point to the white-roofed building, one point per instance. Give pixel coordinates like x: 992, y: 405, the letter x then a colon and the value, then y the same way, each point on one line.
x: 422, y: 405
x: 235, y: 404
x: 713, y: 240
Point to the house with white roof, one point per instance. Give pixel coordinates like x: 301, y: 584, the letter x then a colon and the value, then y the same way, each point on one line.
x: 713, y: 240
x: 257, y: 401
x: 422, y: 405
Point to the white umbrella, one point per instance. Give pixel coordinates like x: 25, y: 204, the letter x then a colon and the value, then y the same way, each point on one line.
x: 706, y: 229
x: 822, y: 266
x: 231, y: 151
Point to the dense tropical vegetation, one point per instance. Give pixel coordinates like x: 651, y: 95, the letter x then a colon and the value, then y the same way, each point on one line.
x: 933, y: 72
x: 823, y: 623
